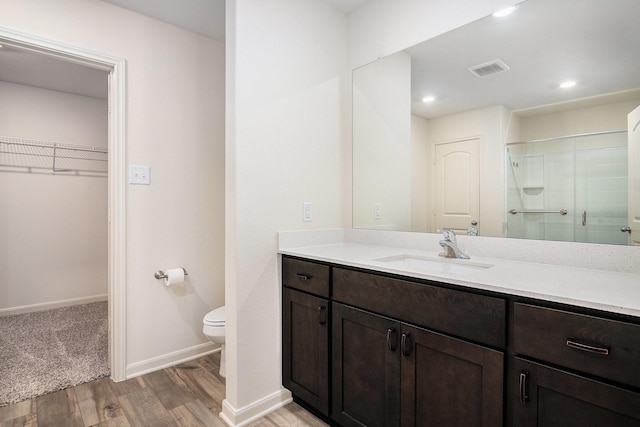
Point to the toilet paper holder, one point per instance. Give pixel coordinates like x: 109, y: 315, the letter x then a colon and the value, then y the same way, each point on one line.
x: 161, y: 274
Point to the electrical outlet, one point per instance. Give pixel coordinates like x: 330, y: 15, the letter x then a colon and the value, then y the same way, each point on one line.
x: 306, y: 212
x: 139, y: 174
x: 377, y: 211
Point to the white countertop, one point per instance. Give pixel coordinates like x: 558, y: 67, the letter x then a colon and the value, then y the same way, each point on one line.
x: 602, y: 290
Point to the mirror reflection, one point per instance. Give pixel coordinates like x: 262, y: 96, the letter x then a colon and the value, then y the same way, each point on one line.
x: 513, y: 126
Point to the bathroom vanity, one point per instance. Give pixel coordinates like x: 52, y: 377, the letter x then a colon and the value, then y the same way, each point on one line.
x: 379, y: 340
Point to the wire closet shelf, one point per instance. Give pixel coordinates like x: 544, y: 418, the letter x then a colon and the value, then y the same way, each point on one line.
x: 33, y: 156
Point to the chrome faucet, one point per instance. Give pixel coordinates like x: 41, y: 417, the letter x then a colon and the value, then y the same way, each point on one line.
x: 450, y: 245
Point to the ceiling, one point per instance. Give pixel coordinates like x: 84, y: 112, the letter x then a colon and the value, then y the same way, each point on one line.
x: 544, y: 42
x: 206, y: 17
x: 46, y: 72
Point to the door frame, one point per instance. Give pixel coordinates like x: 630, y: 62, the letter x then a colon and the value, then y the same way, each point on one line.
x: 116, y: 67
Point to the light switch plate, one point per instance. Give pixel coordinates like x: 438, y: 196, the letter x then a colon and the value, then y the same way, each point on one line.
x: 139, y: 174
x: 306, y: 212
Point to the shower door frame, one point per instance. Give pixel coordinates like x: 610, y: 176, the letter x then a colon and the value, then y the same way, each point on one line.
x: 116, y: 67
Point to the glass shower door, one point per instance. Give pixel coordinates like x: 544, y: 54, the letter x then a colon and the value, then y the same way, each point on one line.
x: 601, y: 188
x: 570, y: 189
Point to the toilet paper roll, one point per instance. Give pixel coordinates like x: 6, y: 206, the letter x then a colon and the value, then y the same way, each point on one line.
x: 175, y: 276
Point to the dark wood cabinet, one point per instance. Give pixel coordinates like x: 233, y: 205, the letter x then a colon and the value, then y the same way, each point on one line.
x: 474, y: 317
x: 381, y: 365
x: 567, y: 366
x: 593, y: 345
x: 549, y: 397
x: 306, y: 343
x: 305, y: 333
x: 449, y: 382
x: 369, y: 349
x: 366, y: 368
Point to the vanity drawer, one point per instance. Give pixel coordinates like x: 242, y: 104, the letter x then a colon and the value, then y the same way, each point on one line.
x: 306, y: 276
x: 594, y: 345
x: 475, y: 317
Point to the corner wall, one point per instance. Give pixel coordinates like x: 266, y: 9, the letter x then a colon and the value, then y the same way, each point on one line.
x: 285, y: 80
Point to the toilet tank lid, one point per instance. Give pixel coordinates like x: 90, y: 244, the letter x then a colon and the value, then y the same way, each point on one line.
x: 215, y: 316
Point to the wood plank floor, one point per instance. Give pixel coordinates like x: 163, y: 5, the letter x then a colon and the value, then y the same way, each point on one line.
x: 189, y: 394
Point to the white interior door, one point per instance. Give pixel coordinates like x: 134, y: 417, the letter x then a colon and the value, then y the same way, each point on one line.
x: 457, y: 185
x: 634, y: 176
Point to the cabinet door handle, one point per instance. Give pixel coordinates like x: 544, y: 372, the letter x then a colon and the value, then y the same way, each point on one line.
x: 405, y: 344
x: 524, y: 377
x: 303, y: 277
x: 571, y: 342
x: 391, y: 339
x: 322, y: 315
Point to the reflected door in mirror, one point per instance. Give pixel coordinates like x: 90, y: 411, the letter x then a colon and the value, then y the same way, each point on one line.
x: 457, y: 184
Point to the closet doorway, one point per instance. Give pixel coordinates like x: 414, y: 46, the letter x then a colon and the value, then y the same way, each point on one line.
x: 75, y: 160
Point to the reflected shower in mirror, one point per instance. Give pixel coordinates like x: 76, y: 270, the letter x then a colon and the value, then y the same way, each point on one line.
x: 434, y: 126
x: 572, y: 189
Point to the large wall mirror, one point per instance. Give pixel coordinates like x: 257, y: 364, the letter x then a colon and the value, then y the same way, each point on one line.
x: 522, y: 125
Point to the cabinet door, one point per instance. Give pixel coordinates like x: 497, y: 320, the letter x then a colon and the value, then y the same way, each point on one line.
x: 551, y: 397
x: 366, y: 368
x: 449, y: 382
x: 305, y: 359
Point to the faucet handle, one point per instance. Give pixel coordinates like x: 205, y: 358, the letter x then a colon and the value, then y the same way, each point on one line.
x: 448, y: 234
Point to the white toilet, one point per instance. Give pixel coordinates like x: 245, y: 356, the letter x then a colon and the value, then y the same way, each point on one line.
x: 213, y: 326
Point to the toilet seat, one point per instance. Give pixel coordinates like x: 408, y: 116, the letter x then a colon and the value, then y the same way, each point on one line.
x: 215, y: 317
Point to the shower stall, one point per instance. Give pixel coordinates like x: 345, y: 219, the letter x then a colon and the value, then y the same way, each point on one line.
x: 569, y: 188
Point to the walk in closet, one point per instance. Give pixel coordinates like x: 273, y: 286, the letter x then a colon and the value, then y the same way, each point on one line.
x: 53, y: 220
x: 53, y: 186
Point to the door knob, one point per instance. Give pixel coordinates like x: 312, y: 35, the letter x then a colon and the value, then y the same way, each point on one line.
x: 626, y: 229
x: 474, y: 222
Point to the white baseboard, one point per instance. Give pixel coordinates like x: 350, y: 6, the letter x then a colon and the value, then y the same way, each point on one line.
x: 171, y: 359
x: 258, y: 409
x: 50, y: 305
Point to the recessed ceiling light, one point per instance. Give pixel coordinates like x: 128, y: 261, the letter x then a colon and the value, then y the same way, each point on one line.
x: 568, y: 84
x: 429, y: 98
x: 505, y: 12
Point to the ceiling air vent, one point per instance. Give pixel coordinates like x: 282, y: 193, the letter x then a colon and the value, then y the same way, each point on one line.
x: 488, y: 68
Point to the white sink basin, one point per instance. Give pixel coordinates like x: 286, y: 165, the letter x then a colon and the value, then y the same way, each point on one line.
x: 432, y: 265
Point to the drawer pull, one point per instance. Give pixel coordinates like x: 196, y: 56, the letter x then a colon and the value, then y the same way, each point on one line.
x: 392, y: 339
x: 405, y: 345
x: 322, y: 315
x: 524, y: 396
x: 571, y: 342
x: 303, y: 277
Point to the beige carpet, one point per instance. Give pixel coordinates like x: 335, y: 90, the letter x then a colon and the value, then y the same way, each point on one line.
x: 51, y: 350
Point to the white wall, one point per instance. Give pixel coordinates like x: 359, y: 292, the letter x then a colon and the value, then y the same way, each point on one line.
x: 421, y: 213
x: 577, y: 121
x: 285, y: 69
x: 175, y: 124
x: 382, y: 143
x: 53, y: 228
